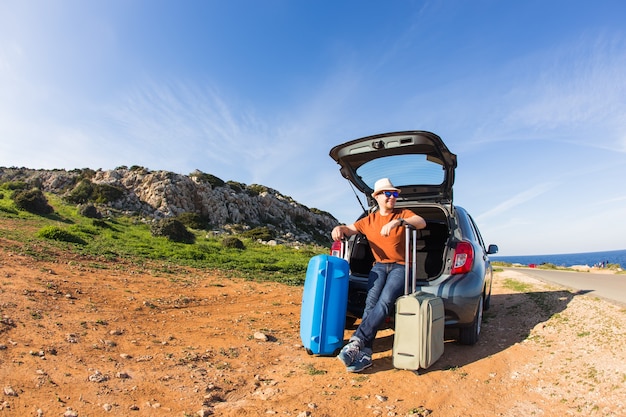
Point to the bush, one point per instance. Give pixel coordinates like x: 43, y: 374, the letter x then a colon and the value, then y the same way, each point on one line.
x: 233, y: 242
x: 16, y: 185
x: 90, y: 211
x: 208, y: 178
x: 100, y: 193
x: 32, y: 201
x: 256, y: 189
x: 87, y: 173
x: 81, y: 193
x: 262, y: 233
x: 174, y: 230
x: 194, y: 221
x: 238, y: 187
x: 56, y: 233
x: 105, y: 193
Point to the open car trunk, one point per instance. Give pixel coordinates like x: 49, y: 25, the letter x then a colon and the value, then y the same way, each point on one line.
x: 431, y: 250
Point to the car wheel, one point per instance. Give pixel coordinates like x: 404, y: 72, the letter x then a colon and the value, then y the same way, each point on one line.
x: 487, y: 303
x: 469, y: 335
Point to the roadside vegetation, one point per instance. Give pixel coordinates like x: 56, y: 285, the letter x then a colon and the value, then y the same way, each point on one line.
x: 44, y: 224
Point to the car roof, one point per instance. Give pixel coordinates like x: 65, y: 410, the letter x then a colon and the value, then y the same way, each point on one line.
x: 416, y: 161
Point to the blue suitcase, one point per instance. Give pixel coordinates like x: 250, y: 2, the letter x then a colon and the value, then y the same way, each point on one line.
x: 324, y: 304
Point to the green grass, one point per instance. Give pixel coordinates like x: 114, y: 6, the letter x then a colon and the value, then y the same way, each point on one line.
x: 129, y: 238
x: 517, y: 286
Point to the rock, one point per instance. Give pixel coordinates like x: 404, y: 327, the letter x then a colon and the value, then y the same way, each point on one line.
x: 161, y: 194
x: 261, y: 336
x: 98, y: 377
x: 70, y: 413
x: 9, y: 391
x: 204, y: 412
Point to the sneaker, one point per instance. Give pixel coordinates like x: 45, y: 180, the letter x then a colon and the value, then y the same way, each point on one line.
x: 349, y: 352
x: 362, y: 361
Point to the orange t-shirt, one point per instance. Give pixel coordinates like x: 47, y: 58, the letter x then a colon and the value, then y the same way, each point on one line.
x: 386, y: 249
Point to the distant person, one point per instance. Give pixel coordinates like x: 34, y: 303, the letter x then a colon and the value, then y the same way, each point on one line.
x: 384, y: 230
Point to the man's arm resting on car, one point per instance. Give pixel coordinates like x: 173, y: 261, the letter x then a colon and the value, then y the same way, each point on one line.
x: 343, y: 231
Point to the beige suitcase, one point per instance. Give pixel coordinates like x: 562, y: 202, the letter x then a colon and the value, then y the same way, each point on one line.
x: 419, y: 321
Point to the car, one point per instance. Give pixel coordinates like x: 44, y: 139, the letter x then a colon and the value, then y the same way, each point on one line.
x: 451, y: 257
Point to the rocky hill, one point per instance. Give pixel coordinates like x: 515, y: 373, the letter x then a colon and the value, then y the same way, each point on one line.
x: 153, y: 195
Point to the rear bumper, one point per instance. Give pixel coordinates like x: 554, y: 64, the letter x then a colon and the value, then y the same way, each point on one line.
x: 460, y: 294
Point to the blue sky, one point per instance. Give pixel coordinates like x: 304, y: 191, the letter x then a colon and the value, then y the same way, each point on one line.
x: 531, y: 96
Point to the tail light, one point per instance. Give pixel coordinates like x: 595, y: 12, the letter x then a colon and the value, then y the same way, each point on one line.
x: 335, y: 249
x: 463, y: 258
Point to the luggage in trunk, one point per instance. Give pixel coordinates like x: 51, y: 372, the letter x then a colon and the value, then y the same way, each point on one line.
x: 324, y: 304
x: 419, y: 320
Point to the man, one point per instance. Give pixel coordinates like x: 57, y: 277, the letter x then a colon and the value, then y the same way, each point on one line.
x: 384, y: 230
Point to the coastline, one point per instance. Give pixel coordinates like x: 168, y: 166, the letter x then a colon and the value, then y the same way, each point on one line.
x: 577, y: 268
x: 594, y: 261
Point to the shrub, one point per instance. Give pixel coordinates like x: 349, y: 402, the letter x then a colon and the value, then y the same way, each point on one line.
x: 90, y: 211
x: 172, y: 229
x: 262, y: 233
x: 56, y: 233
x: 16, y: 185
x: 32, y: 201
x: 208, y: 178
x: 258, y: 189
x: 81, y: 193
x: 105, y: 193
x: 100, y: 193
x: 233, y: 242
x: 194, y: 221
x: 238, y: 187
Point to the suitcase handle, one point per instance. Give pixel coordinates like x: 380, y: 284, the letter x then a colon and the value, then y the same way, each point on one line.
x: 410, y: 254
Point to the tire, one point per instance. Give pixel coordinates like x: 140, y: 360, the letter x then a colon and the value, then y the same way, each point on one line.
x: 487, y: 303
x: 469, y: 335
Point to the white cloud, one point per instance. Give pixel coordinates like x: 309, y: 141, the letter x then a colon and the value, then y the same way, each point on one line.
x: 516, y: 200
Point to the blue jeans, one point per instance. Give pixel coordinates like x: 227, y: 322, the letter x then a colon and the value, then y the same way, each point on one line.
x: 385, y: 285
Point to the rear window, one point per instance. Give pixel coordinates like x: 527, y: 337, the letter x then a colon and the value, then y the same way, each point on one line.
x: 413, y: 169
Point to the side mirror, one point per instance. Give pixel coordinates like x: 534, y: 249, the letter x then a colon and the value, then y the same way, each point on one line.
x: 492, y: 249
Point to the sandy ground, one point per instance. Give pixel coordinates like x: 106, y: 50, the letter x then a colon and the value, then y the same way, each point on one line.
x: 81, y: 337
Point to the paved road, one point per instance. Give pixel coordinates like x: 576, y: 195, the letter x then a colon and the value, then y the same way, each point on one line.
x: 609, y: 286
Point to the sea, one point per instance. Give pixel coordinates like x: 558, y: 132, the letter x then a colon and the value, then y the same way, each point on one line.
x: 569, y: 259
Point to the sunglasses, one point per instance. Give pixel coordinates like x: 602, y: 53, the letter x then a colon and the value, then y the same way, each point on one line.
x: 393, y: 194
